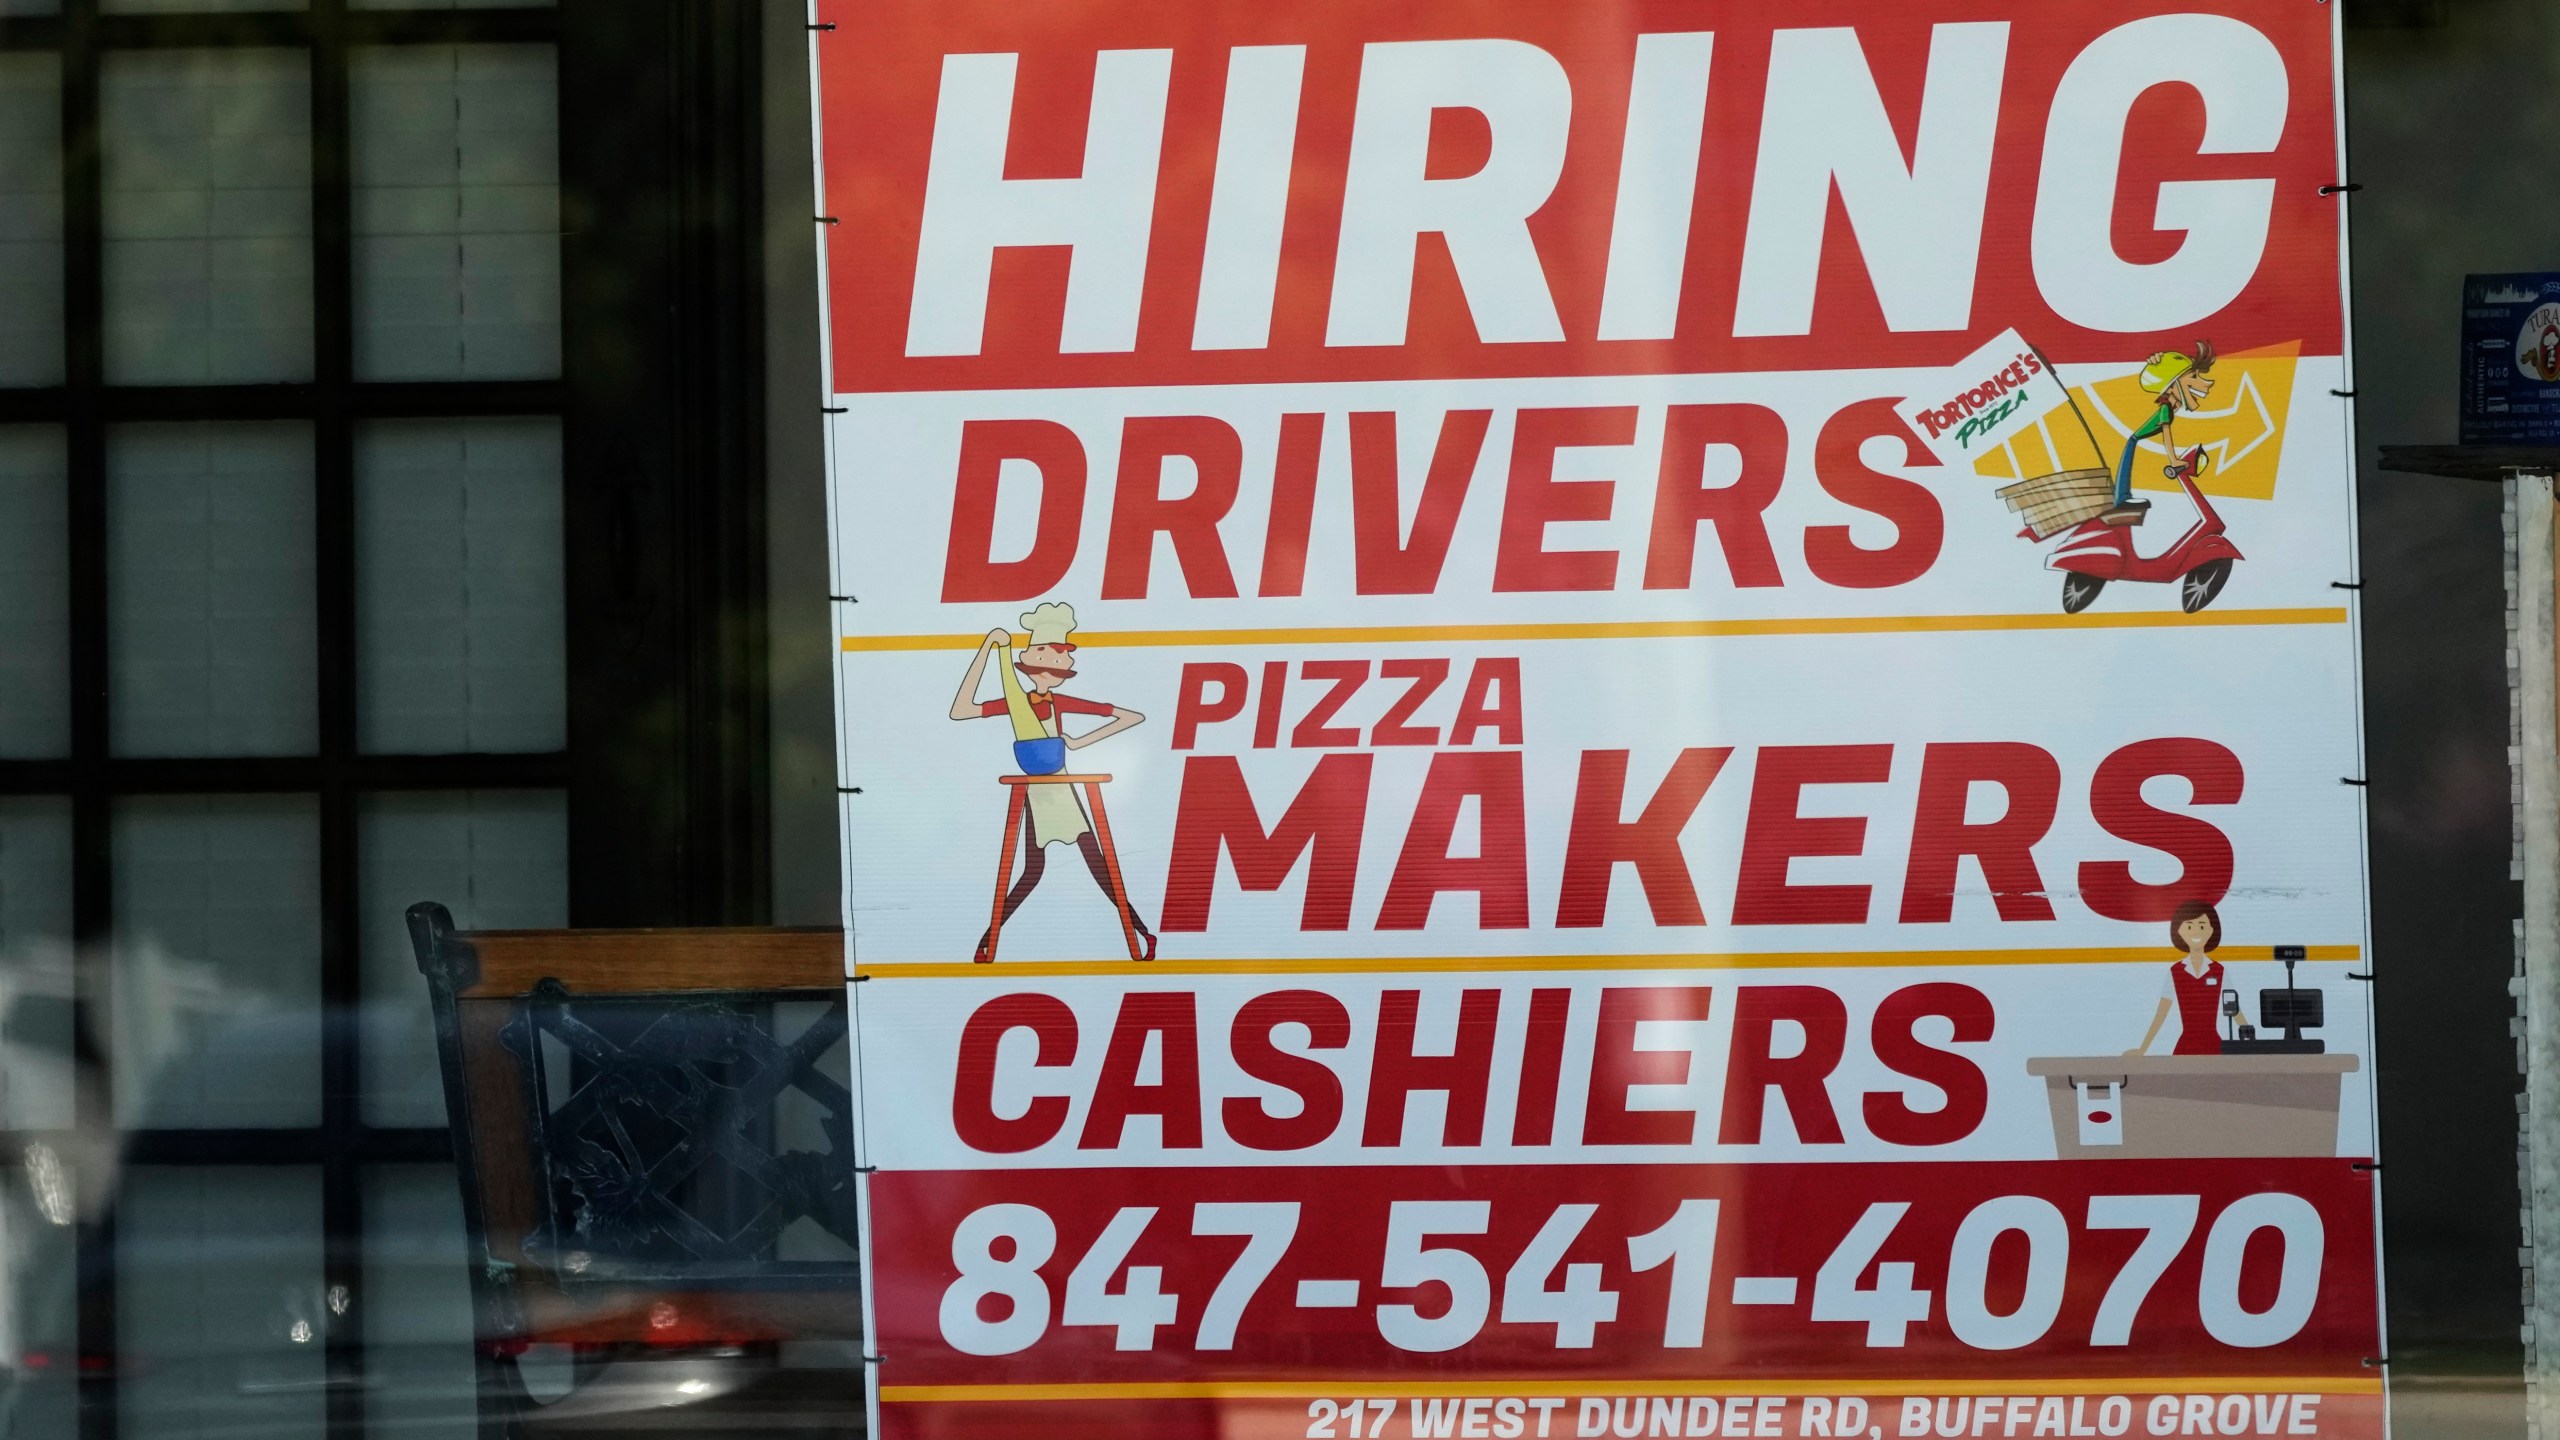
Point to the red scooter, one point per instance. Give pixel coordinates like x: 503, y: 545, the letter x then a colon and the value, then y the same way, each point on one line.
x: 2098, y: 552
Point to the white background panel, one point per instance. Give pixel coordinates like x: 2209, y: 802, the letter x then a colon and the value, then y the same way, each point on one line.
x: 912, y: 1027
x: 924, y: 832
x: 898, y: 458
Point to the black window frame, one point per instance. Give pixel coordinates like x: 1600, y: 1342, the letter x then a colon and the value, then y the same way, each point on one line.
x: 661, y: 405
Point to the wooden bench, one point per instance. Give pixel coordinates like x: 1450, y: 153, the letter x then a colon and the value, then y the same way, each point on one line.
x: 622, y: 1105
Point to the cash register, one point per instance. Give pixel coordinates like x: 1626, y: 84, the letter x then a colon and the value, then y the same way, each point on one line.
x: 2291, y: 1010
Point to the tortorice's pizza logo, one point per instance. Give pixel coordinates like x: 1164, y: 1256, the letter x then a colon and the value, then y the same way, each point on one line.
x: 1981, y: 402
x: 2538, y: 344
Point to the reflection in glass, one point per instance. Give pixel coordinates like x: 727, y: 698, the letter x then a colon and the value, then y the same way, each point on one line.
x: 799, y: 1123
x: 207, y: 166
x: 500, y: 861
x: 35, y: 595
x: 35, y: 964
x: 217, y: 961
x: 30, y: 218
x: 417, y: 1292
x: 220, y: 1303
x: 210, y: 590
x: 40, y: 1304
x: 457, y: 212
x: 459, y: 600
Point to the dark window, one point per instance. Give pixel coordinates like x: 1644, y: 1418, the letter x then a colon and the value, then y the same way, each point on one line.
x: 363, y: 540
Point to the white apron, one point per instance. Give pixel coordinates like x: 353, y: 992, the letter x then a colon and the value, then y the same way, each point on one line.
x: 1057, y: 817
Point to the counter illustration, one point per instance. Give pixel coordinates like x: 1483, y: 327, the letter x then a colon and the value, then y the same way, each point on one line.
x: 2157, y: 1107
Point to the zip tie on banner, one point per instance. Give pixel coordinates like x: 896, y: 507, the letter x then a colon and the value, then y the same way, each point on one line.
x: 827, y: 220
x: 2346, y: 585
x: 2366, y: 1165
x: 2376, y: 1362
x: 2341, y: 188
x: 2344, y: 394
x: 2367, y: 978
x: 874, y: 1169
x: 830, y: 24
x: 848, y: 789
x: 883, y: 1360
x: 2347, y: 780
x: 846, y: 599
x: 835, y: 409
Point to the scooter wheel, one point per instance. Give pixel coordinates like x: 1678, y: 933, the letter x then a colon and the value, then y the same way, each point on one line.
x: 2078, y: 590
x: 2197, y: 587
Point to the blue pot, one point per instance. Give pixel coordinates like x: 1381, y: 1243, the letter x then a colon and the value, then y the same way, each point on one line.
x: 1044, y: 756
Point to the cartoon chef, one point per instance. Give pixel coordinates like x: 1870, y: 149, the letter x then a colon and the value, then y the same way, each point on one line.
x: 1039, y: 709
x: 2194, y: 984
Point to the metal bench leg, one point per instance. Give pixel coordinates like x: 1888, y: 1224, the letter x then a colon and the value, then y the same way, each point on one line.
x: 1111, y: 865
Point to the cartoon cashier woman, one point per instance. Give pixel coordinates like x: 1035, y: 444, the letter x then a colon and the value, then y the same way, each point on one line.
x: 2194, y: 986
x: 1040, y: 708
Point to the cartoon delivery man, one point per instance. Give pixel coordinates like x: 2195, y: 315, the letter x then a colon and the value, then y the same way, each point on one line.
x: 2177, y: 382
x: 2194, y: 984
x: 1057, y: 817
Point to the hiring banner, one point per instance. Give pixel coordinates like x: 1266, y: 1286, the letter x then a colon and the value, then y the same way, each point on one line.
x: 1628, y: 720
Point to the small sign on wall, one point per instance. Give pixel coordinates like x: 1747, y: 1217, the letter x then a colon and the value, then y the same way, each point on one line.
x: 2511, y: 359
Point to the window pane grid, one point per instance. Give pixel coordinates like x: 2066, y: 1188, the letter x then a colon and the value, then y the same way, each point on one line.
x: 30, y: 220
x: 35, y: 593
x: 461, y: 635
x: 43, y: 25
x: 211, y: 602
x: 207, y: 209
x: 270, y: 294
x: 456, y: 212
x: 216, y: 1021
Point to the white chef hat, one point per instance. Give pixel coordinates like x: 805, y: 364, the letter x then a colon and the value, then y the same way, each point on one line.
x: 1051, y: 624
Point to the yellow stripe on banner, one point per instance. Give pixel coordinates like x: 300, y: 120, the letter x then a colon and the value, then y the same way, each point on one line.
x: 1624, y: 629
x: 1772, y: 960
x: 1426, y: 1386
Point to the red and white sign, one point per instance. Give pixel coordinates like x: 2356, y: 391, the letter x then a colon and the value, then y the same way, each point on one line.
x: 1600, y: 720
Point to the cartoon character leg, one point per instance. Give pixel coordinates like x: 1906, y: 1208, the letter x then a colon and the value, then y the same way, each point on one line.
x: 1105, y: 864
x: 1005, y: 904
x: 2126, y: 510
x: 1034, y: 864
